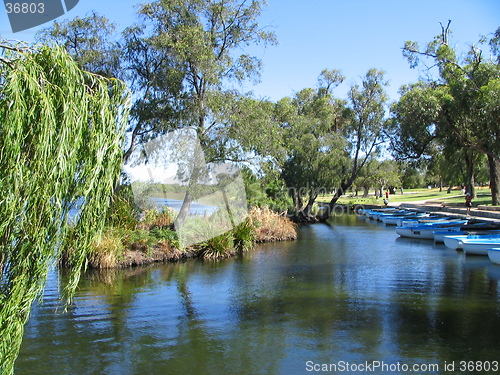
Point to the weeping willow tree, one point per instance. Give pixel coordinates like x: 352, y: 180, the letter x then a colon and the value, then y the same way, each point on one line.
x: 61, y: 139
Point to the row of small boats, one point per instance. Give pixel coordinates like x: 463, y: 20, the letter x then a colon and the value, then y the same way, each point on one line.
x: 472, y: 236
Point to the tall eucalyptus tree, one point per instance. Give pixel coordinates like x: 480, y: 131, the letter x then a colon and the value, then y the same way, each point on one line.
x: 467, y: 95
x: 181, y: 60
x: 365, y: 132
x: 312, y: 127
x: 201, y: 42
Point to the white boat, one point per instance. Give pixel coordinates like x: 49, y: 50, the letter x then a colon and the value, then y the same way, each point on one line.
x: 376, y: 213
x: 426, y: 231
x: 455, y: 241
x: 439, y: 235
x: 405, y: 222
x: 391, y: 214
x: 393, y: 219
x: 479, y: 246
x: 494, y: 255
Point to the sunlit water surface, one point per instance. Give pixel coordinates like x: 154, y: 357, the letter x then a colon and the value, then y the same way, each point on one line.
x: 352, y: 291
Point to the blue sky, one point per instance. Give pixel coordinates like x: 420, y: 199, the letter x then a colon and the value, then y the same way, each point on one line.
x: 350, y: 35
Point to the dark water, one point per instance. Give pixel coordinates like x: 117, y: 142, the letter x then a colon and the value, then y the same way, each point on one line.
x: 351, y: 292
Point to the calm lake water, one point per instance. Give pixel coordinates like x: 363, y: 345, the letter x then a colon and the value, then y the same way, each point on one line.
x: 350, y: 292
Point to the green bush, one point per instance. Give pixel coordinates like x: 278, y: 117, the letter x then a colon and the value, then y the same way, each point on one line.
x: 162, y: 234
x: 244, y: 236
x: 221, y: 246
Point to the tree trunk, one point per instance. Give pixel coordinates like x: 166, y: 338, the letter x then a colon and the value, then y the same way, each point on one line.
x: 184, y: 211
x: 470, y: 183
x: 494, y: 180
x: 297, y: 201
x: 365, y: 192
x: 310, y: 203
x: 329, y: 209
x: 305, y: 215
x: 192, y: 187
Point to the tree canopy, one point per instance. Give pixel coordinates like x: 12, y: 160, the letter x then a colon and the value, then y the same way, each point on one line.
x: 458, y: 108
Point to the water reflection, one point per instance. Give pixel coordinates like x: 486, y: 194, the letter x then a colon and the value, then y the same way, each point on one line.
x: 349, y: 291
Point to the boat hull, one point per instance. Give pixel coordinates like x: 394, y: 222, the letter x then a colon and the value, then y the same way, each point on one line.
x: 439, y: 235
x: 494, y: 255
x: 454, y: 242
x: 419, y: 221
x: 393, y: 220
x: 423, y: 232
x: 479, y: 246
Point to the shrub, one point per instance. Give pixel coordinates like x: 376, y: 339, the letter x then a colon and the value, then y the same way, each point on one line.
x: 156, y: 219
x: 244, y: 236
x: 166, y: 234
x: 221, y: 246
x: 141, y: 240
x: 107, y: 250
x: 271, y: 226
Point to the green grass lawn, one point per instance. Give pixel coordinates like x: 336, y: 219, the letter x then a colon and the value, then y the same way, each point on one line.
x: 484, y: 197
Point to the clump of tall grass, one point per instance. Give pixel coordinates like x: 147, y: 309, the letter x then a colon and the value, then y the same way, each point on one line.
x: 122, y: 212
x: 107, y: 250
x: 152, y: 239
x: 224, y: 245
x: 244, y: 236
x: 271, y: 226
x: 218, y: 247
x: 156, y: 219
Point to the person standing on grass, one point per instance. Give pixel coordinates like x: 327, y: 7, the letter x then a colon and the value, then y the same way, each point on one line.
x: 468, y: 202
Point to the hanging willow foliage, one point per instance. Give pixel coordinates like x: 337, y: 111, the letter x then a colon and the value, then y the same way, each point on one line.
x: 61, y: 138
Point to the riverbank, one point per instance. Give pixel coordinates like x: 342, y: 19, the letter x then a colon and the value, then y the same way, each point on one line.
x: 153, y: 240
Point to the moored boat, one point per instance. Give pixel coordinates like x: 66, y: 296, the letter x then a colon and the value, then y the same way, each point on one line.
x: 426, y: 231
x: 439, y: 235
x: 479, y: 246
x: 375, y: 215
x: 494, y: 255
x: 405, y: 222
x: 394, y: 219
x: 455, y: 241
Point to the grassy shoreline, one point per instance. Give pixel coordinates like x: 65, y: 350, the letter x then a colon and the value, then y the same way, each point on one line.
x: 153, y: 240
